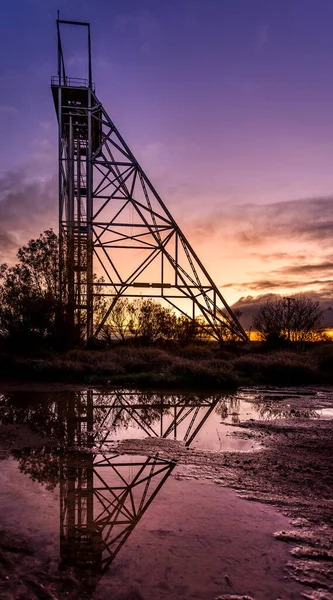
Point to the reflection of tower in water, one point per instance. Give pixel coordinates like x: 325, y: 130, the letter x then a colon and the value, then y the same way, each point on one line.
x: 102, y: 496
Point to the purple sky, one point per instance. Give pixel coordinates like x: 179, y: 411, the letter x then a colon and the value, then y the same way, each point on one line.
x: 228, y: 105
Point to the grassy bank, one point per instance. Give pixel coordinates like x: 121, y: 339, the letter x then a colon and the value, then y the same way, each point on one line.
x: 198, y: 366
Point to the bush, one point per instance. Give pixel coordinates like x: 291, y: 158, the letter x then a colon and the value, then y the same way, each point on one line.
x: 195, y: 351
x: 203, y: 374
x: 288, y: 369
x: 250, y: 366
x: 138, y: 359
x: 281, y: 368
x: 324, y: 359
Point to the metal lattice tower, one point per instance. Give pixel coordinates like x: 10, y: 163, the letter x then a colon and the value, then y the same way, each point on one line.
x: 112, y: 220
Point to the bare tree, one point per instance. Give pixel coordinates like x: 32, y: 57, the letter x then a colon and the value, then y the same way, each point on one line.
x: 150, y: 320
x: 118, y: 322
x: 297, y: 318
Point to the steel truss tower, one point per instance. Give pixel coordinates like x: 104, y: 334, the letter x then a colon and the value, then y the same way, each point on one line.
x: 112, y: 220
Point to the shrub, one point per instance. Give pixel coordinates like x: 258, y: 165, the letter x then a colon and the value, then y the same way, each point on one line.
x: 202, y: 374
x: 138, y: 359
x: 195, y: 351
x: 288, y: 369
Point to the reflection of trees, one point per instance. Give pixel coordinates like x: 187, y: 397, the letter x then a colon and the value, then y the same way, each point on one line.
x: 229, y: 406
x: 45, y: 464
x: 42, y: 464
x: 272, y: 410
x: 42, y: 415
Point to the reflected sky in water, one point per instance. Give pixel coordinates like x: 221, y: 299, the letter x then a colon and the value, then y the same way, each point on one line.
x: 100, y: 494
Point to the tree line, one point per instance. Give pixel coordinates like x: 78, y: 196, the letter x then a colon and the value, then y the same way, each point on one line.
x: 32, y: 310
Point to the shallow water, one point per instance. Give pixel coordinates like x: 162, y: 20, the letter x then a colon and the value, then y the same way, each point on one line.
x: 104, y: 417
x: 196, y: 541
x: 81, y: 486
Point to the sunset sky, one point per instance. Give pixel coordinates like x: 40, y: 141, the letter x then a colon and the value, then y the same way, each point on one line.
x: 227, y: 104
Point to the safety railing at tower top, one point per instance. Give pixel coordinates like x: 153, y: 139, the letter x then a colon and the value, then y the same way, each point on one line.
x: 71, y: 82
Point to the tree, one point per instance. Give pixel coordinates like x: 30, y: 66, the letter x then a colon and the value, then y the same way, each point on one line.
x: 187, y: 330
x: 297, y: 318
x: 29, y: 290
x: 32, y: 307
x: 227, y: 334
x: 118, y: 321
x: 150, y: 321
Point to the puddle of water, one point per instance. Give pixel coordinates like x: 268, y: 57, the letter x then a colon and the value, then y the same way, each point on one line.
x: 311, y: 397
x: 108, y: 417
x: 325, y: 413
x: 195, y: 534
x: 97, y: 495
x: 98, y: 499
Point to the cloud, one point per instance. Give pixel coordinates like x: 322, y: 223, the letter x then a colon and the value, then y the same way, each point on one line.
x: 262, y: 37
x: 277, y: 256
x: 304, y: 269
x: 26, y: 209
x: 249, y: 306
x: 141, y: 26
x: 46, y: 125
x: 254, y: 225
x: 274, y: 281
x: 274, y: 284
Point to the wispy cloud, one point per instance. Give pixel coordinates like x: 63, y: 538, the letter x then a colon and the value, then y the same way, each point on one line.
x: 275, y: 284
x: 262, y: 37
x: 141, y: 25
x: 253, y: 225
x: 322, y: 267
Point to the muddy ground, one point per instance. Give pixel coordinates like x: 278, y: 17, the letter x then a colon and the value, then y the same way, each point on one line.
x: 293, y: 472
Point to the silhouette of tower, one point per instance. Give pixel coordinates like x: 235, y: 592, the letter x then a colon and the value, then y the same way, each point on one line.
x: 112, y: 220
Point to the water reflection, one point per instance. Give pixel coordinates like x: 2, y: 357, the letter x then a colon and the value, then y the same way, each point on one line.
x: 102, y: 498
x: 103, y: 494
x: 100, y: 418
x: 179, y: 417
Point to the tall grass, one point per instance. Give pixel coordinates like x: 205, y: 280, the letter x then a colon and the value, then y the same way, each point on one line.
x: 193, y: 366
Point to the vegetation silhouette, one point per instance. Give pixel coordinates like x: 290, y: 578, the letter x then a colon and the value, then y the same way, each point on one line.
x: 144, y: 343
x: 34, y: 310
x: 294, y: 319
